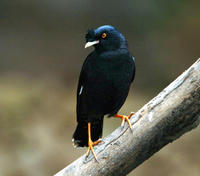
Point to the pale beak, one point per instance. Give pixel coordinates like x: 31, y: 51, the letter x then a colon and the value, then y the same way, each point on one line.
x: 88, y: 44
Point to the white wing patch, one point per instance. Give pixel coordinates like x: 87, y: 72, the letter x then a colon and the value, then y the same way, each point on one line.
x: 133, y: 59
x: 81, y: 90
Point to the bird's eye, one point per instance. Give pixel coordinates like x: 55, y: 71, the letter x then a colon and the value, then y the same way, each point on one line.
x: 104, y: 35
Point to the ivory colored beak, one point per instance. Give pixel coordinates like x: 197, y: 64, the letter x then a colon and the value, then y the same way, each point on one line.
x: 88, y: 44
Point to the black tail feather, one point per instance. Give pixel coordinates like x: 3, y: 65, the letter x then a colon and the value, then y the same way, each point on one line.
x: 80, y: 137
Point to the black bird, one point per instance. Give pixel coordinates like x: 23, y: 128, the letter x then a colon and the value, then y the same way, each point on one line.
x: 103, y: 85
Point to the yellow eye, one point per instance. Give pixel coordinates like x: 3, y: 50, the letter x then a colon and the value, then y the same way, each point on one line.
x: 104, y: 35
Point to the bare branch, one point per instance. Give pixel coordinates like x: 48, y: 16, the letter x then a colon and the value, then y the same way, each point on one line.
x: 173, y: 112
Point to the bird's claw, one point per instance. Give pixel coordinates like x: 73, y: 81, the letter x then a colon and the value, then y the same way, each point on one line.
x: 91, y: 144
x: 125, y: 118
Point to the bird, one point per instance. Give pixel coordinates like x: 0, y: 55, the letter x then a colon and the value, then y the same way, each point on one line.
x: 103, y: 85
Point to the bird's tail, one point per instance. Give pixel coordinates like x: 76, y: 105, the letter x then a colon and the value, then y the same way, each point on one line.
x: 80, y: 137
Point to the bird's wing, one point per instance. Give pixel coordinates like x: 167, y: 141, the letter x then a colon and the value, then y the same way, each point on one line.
x: 80, y: 89
x: 82, y: 76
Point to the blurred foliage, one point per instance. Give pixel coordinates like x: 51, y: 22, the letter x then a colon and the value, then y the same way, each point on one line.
x: 41, y: 53
x: 47, y: 37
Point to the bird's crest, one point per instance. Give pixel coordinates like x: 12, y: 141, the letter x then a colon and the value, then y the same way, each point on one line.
x: 90, y: 34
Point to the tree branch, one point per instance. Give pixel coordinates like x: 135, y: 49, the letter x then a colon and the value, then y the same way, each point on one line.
x: 173, y: 112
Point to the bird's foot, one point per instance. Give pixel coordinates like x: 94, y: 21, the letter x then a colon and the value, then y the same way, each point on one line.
x: 91, y: 144
x: 125, y: 118
x: 96, y: 142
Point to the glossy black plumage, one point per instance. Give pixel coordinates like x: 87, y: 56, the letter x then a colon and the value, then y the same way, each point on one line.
x: 104, y: 82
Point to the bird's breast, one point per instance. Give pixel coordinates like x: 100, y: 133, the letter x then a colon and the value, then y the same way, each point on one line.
x: 110, y: 69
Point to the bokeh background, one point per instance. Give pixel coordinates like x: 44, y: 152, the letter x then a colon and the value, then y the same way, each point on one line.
x: 41, y: 54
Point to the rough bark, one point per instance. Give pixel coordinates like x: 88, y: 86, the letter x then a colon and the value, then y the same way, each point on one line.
x: 173, y: 112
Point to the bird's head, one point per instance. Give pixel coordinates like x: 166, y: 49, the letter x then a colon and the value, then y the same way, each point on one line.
x: 105, y: 38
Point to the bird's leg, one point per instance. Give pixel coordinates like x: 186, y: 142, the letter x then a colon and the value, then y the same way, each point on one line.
x: 125, y: 118
x: 91, y: 143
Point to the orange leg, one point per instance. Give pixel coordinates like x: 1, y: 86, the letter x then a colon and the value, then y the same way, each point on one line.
x: 91, y: 144
x: 124, y: 118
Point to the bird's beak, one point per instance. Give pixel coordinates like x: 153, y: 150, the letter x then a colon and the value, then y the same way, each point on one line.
x: 88, y: 44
